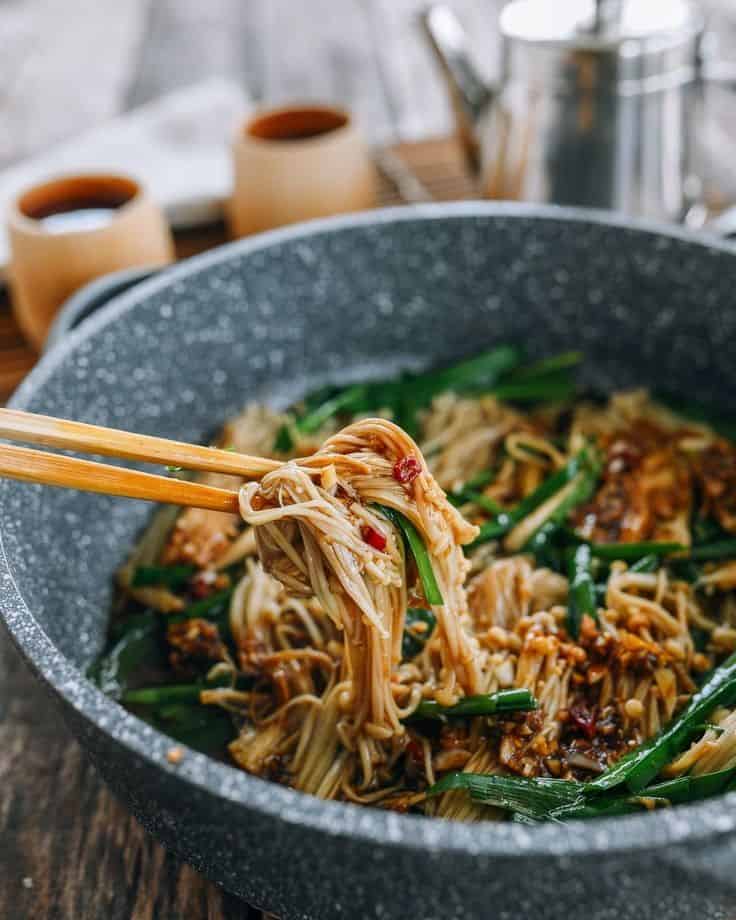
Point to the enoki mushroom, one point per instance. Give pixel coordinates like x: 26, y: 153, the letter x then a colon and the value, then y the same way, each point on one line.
x: 320, y: 531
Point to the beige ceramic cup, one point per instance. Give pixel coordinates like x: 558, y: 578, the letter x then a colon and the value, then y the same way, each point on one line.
x: 295, y: 163
x: 68, y: 231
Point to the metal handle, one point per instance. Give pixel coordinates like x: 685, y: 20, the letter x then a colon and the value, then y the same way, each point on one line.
x: 469, y: 94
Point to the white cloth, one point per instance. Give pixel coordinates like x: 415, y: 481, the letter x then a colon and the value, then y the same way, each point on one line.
x: 177, y: 147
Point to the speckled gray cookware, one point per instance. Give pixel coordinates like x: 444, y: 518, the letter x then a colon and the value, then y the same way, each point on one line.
x: 265, y: 319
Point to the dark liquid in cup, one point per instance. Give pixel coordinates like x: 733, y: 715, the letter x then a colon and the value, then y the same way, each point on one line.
x: 73, y: 205
x: 297, y: 124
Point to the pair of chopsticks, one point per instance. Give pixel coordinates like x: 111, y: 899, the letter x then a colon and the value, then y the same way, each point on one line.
x: 56, y: 470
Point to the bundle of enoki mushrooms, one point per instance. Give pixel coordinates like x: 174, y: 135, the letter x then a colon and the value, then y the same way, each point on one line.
x: 529, y: 610
x: 330, y: 533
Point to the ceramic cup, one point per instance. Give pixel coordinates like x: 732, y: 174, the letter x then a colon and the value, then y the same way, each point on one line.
x: 295, y: 163
x: 68, y: 231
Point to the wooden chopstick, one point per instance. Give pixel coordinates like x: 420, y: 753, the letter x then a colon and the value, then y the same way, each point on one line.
x: 57, y: 470
x: 30, y: 465
x: 111, y: 442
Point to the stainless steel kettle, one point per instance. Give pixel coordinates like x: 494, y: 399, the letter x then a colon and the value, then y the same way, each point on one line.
x: 599, y: 103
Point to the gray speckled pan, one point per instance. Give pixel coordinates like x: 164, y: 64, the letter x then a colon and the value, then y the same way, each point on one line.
x: 265, y: 319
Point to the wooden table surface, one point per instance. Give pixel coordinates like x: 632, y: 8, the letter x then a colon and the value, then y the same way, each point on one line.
x: 68, y: 851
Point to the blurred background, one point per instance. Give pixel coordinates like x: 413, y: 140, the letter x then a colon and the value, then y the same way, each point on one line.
x: 66, y: 67
x: 154, y: 89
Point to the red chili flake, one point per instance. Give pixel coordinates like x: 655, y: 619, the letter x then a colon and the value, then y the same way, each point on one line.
x: 585, y: 720
x: 373, y: 538
x: 406, y: 469
x: 258, y: 503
